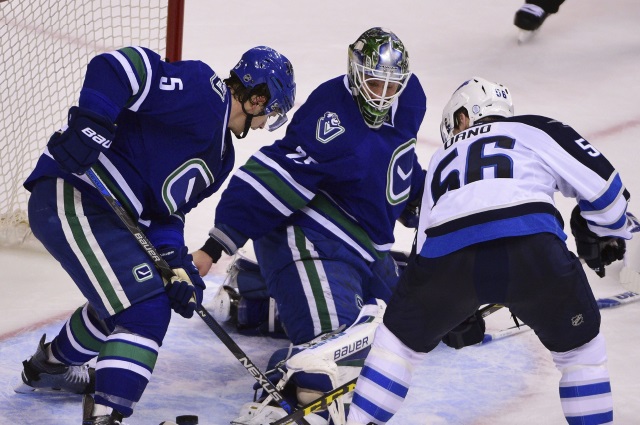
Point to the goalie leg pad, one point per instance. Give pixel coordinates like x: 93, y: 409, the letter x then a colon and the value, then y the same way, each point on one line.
x: 335, y: 358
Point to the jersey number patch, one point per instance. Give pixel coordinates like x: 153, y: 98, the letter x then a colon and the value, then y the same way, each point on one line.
x: 478, y: 163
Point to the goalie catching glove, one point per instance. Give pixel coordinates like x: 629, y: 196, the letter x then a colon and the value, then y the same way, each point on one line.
x: 78, y: 147
x: 185, y: 288
x: 596, y: 251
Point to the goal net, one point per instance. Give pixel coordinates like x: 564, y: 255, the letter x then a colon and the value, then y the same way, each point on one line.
x: 46, y: 46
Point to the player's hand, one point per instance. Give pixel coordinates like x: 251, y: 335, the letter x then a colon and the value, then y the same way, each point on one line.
x: 185, y: 288
x: 77, y: 147
x: 203, y: 261
x: 596, y: 251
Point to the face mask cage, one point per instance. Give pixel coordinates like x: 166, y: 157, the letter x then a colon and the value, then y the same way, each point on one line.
x: 379, y: 89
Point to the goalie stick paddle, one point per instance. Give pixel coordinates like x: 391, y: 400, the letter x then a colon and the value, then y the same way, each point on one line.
x: 167, y: 273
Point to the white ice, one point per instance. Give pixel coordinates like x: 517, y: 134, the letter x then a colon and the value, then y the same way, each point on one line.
x: 583, y: 68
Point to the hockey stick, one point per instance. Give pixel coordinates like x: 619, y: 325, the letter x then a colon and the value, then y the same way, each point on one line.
x: 320, y: 403
x: 618, y: 299
x: 329, y: 397
x: 609, y: 302
x: 167, y: 273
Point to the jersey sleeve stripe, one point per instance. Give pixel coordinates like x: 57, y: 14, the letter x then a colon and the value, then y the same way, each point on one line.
x: 266, y: 178
x: 285, y: 174
x: 126, y: 67
x: 264, y: 192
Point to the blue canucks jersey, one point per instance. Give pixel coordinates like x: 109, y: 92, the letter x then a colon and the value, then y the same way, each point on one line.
x: 498, y: 179
x: 331, y: 173
x: 172, y: 147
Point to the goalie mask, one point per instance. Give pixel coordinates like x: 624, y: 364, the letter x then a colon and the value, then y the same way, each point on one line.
x: 378, y: 72
x: 480, y: 98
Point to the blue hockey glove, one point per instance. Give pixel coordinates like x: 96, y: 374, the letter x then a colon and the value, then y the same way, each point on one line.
x: 185, y: 289
x: 596, y: 251
x: 77, y: 148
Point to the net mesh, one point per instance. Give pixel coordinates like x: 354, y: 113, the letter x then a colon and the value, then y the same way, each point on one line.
x: 46, y: 46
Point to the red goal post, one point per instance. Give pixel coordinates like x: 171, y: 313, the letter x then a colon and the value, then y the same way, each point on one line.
x: 45, y: 46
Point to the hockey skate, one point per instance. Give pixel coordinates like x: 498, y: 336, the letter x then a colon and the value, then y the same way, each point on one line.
x: 38, y: 374
x: 88, y: 418
x: 528, y: 19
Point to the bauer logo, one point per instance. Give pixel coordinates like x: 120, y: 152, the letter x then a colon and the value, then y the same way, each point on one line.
x: 351, y: 348
x: 101, y: 140
x: 142, y: 272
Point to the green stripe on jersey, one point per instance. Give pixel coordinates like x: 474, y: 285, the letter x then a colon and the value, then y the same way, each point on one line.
x: 273, y: 181
x: 141, y: 71
x: 323, y: 205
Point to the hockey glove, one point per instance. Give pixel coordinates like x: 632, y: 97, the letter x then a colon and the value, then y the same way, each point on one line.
x: 469, y: 332
x: 78, y: 147
x: 185, y: 289
x: 596, y: 251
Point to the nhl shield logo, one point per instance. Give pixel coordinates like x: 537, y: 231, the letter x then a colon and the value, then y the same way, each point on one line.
x: 328, y: 127
x: 577, y: 320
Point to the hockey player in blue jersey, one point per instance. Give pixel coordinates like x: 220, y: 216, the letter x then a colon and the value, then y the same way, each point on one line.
x: 490, y: 233
x: 321, y: 204
x: 160, y: 135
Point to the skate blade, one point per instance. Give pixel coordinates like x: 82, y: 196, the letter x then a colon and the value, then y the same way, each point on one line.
x: 525, y: 36
x: 27, y: 389
x: 24, y: 389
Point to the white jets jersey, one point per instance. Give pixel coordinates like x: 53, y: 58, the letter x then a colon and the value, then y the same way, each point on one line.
x: 498, y: 179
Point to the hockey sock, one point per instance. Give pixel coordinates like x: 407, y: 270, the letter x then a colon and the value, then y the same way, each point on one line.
x: 80, y: 339
x: 384, y: 380
x: 123, y: 370
x: 585, y: 390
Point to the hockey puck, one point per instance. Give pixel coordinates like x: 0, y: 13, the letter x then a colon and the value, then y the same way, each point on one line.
x: 187, y: 420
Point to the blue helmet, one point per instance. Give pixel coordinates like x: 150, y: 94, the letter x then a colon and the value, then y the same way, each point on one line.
x: 264, y: 65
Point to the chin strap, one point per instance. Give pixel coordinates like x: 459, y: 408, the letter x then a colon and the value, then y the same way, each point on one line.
x: 247, y: 126
x: 247, y: 121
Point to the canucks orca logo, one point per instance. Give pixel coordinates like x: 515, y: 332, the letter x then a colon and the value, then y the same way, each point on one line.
x: 328, y: 127
x: 399, y: 172
x: 191, y: 177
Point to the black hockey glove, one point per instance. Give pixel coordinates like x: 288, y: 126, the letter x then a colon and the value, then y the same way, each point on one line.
x: 77, y: 148
x: 469, y: 332
x: 185, y: 289
x: 596, y: 251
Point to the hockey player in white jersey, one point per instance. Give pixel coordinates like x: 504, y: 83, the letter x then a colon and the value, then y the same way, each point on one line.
x: 490, y: 233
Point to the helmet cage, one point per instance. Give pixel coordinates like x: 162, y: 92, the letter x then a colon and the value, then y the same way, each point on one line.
x: 378, y: 73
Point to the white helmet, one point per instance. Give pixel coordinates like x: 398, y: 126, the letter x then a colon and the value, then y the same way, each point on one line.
x: 480, y: 98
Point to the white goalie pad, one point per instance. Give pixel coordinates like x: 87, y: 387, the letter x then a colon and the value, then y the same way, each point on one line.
x: 325, y: 354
